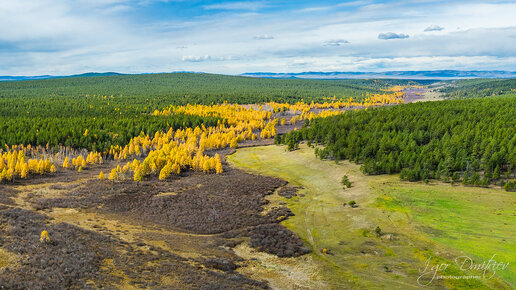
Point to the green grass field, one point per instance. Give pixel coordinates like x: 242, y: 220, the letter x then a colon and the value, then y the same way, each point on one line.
x: 478, y: 221
x: 417, y: 221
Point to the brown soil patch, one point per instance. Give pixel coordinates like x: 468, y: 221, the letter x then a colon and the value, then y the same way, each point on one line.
x: 176, y: 233
x: 77, y: 258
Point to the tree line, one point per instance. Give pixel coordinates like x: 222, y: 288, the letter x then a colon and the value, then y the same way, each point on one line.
x: 470, y: 141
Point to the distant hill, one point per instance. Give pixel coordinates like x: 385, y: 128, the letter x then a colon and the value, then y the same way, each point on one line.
x: 46, y: 77
x: 24, y: 78
x: 94, y: 74
x: 414, y: 75
x: 408, y: 75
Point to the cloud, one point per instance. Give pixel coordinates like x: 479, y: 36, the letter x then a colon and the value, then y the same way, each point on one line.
x: 335, y: 42
x: 118, y: 9
x: 433, y: 28
x: 392, y: 35
x: 354, y: 3
x: 147, y: 2
x: 192, y: 58
x: 263, y: 37
x: 128, y: 37
x: 245, y: 5
x: 100, y: 3
x: 299, y: 63
x: 315, y: 9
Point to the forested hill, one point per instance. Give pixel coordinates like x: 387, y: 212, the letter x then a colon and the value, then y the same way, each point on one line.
x: 182, y: 88
x: 473, y: 140
x: 478, y: 88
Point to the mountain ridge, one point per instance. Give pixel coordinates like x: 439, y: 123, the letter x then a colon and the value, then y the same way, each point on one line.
x: 428, y: 74
x: 416, y: 75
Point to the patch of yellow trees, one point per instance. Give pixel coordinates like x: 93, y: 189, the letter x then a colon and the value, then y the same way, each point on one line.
x: 14, y: 164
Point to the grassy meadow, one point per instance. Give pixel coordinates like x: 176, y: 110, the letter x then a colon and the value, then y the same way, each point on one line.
x: 417, y: 222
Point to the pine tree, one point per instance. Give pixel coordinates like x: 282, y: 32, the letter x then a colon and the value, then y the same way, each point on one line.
x: 102, y: 176
x: 456, y: 176
x: 475, y: 178
x: 496, y: 173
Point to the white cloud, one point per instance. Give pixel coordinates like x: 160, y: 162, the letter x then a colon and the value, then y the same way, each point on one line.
x: 392, y: 35
x: 74, y: 36
x: 336, y: 42
x: 433, y: 28
x: 193, y: 58
x: 314, y: 9
x: 248, y: 5
x: 263, y: 37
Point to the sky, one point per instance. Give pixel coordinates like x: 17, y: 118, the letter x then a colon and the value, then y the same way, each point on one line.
x: 63, y: 37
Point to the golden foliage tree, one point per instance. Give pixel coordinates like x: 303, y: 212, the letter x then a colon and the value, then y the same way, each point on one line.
x: 66, y: 163
x: 138, y: 177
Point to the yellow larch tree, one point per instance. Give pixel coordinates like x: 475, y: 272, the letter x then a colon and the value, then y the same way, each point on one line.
x: 138, y: 177
x: 66, y: 163
x: 233, y: 143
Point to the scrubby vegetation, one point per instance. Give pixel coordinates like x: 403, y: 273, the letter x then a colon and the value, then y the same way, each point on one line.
x: 345, y: 181
x: 470, y: 140
x: 510, y: 186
